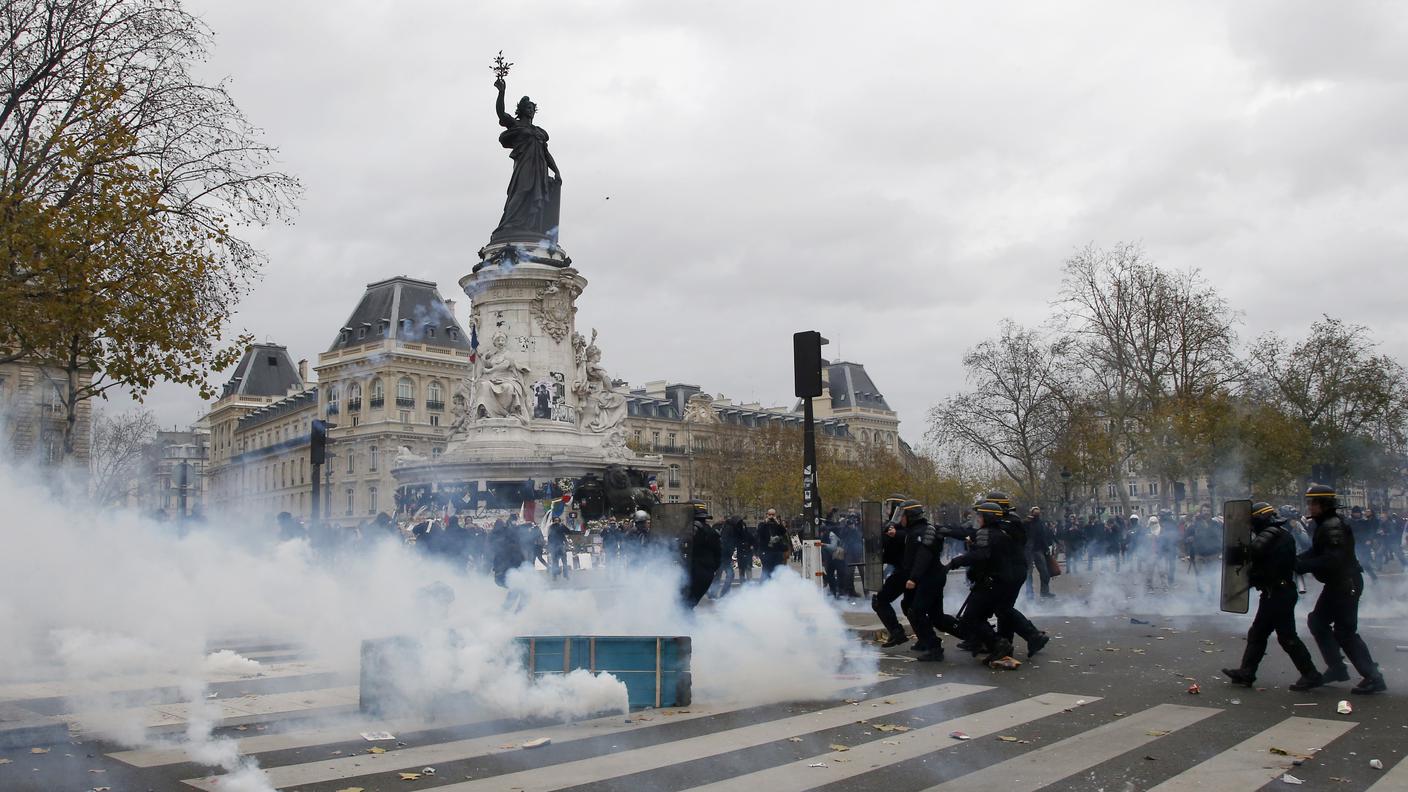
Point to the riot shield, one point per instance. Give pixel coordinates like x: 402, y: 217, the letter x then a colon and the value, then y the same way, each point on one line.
x: 1236, y: 535
x: 872, y: 531
x: 672, y: 526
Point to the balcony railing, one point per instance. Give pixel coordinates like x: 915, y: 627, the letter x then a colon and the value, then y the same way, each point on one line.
x: 332, y: 408
x: 353, y: 405
x: 435, y: 405
x: 402, y: 401
x: 376, y: 402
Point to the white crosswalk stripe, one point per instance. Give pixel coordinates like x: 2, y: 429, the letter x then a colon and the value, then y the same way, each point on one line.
x: 857, y: 760
x: 1033, y: 770
x: 620, y: 763
x: 1250, y: 764
x: 1245, y: 766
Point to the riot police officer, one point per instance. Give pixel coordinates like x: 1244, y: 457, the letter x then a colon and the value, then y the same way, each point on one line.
x: 925, y: 577
x: 705, y: 556
x: 986, y: 562
x: 1334, y: 621
x: 1012, y: 568
x: 1271, y: 556
x: 892, y: 552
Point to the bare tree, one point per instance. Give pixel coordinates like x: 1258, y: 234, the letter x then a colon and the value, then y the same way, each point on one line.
x: 123, y: 180
x: 1152, y: 344
x: 116, y: 462
x: 1015, y: 413
x: 1350, y: 401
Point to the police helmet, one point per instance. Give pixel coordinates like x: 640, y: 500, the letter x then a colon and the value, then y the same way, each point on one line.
x: 908, y: 507
x: 989, y: 510
x: 701, y: 512
x: 642, y: 516
x: 888, y: 509
x: 1264, y: 514
x: 1323, y: 494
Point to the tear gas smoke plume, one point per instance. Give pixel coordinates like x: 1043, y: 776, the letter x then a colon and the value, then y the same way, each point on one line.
x: 107, y: 600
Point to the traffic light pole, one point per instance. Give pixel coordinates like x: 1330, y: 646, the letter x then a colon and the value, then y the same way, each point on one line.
x: 811, y: 499
x: 317, y: 490
x: 806, y: 370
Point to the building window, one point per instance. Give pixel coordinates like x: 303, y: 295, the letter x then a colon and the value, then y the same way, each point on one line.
x: 436, y: 451
x: 674, y: 499
x: 434, y: 396
x: 429, y: 331
x: 356, y: 419
x: 371, y: 500
x: 1134, y: 489
x: 351, y: 461
x: 361, y: 332
x: 1110, y: 491
x: 405, y: 416
x: 378, y: 394
x: 671, y: 441
x: 405, y: 393
x: 655, y: 440
x: 435, y: 419
x: 354, y: 397
x: 373, y: 459
x: 453, y: 333
x: 674, y: 475
x: 1153, y: 488
x: 350, y: 494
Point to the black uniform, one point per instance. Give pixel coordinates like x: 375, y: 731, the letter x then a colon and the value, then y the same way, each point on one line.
x: 1011, y: 575
x: 1039, y: 541
x: 705, y: 555
x: 1272, y: 557
x: 985, y: 560
x: 922, y: 546
x: 745, y: 542
x: 1334, y: 621
x: 892, y: 551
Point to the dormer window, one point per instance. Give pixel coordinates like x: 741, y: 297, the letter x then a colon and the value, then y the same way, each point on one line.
x: 361, y: 333
x: 454, y: 334
x: 346, y: 334
x: 382, y: 327
x: 429, y: 331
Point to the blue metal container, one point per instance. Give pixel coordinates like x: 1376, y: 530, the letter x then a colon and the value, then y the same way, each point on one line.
x: 655, y: 669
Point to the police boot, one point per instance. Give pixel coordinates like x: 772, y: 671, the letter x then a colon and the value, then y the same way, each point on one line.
x: 1002, y: 648
x: 1336, y: 674
x: 895, y: 640
x: 1239, y: 677
x: 1037, y: 643
x: 934, y: 655
x: 1308, y: 681
x: 1370, y: 685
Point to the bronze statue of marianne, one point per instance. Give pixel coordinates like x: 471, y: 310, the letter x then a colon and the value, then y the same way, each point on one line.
x: 531, y: 209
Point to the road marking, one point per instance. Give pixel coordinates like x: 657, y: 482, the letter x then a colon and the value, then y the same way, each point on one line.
x: 654, y: 757
x: 258, y: 708
x: 1249, y: 765
x: 1395, y: 780
x: 138, y: 683
x: 611, y: 765
x: 347, y: 731
x: 860, y: 759
x: 1047, y: 765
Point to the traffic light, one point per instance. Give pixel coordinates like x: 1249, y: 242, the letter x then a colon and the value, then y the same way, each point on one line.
x: 806, y: 363
x: 318, y: 442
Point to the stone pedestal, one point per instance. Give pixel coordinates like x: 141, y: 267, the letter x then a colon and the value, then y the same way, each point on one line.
x: 537, y: 407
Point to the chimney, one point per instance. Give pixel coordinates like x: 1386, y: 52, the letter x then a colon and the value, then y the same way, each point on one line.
x: 450, y: 306
x: 303, y: 370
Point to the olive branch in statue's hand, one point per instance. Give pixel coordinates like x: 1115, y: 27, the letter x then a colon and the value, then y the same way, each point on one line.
x: 500, y: 69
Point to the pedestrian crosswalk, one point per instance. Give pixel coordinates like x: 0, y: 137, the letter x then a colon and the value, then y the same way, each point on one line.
x: 938, y: 736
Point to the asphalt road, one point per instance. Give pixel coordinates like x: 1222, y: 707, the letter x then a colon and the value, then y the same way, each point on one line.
x: 1105, y: 707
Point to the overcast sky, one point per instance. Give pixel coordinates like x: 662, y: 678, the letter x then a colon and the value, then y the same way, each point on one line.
x: 900, y: 176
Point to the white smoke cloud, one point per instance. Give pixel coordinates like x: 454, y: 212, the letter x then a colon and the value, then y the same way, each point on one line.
x: 110, y: 602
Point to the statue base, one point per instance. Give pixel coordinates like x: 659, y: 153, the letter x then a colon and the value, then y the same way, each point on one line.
x: 510, y: 250
x: 538, y: 413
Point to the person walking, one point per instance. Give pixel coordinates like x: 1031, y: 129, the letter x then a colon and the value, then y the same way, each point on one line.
x: 774, y: 543
x: 1334, y: 621
x: 1037, y: 551
x: 1271, y: 556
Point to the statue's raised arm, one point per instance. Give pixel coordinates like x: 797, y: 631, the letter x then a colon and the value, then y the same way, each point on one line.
x: 505, y: 120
